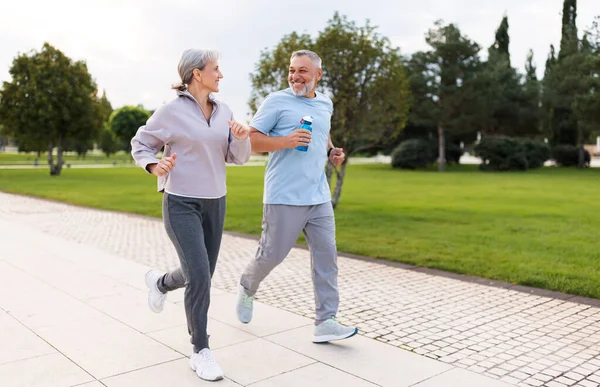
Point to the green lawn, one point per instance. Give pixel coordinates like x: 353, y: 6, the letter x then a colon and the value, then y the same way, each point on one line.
x: 538, y: 228
x: 28, y: 158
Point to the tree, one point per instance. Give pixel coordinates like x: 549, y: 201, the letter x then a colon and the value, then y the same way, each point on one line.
x: 367, y: 81
x: 3, y: 138
x: 529, y: 109
x: 569, y: 39
x: 583, y: 80
x: 447, y: 76
x: 571, y: 85
x: 82, y: 145
x: 561, y: 124
x: 105, y: 108
x: 509, y: 104
x: 125, y: 122
x: 501, y: 44
x: 49, y: 102
x: 423, y: 93
x: 271, y: 71
x: 108, y: 142
x: 362, y: 73
x: 593, y: 35
x: 549, y: 95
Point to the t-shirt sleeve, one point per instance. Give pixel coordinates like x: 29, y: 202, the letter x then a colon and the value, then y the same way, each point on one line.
x: 265, y: 118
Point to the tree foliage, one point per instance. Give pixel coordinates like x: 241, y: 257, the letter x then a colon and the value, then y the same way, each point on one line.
x: 51, y: 102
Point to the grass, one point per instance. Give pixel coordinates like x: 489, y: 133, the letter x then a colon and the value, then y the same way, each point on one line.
x: 537, y: 228
x: 28, y: 159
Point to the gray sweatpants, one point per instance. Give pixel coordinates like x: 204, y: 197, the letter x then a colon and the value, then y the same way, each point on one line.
x: 282, y: 225
x: 195, y: 226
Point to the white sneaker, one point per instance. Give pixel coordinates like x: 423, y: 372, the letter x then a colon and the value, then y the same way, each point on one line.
x: 330, y: 330
x: 156, y: 298
x: 244, y: 305
x: 205, y: 366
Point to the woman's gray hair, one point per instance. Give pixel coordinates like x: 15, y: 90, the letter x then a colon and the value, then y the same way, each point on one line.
x: 193, y: 59
x: 313, y: 56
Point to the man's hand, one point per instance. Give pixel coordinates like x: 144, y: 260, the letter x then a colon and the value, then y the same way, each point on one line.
x: 163, y: 167
x: 238, y: 130
x: 337, y: 156
x: 299, y: 137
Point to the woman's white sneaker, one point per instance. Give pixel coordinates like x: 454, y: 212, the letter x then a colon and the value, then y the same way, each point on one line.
x: 205, y: 366
x: 156, y: 298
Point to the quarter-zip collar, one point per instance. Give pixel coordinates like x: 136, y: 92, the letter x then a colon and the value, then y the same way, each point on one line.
x: 215, y: 103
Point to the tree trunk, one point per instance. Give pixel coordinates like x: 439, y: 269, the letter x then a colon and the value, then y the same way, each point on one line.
x: 581, y: 161
x: 442, y: 149
x: 50, y: 160
x: 329, y: 168
x: 338, y: 184
x: 55, y: 169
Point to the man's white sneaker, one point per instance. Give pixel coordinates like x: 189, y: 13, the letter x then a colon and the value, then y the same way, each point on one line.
x: 205, y: 366
x: 330, y: 330
x: 156, y: 298
x: 244, y: 305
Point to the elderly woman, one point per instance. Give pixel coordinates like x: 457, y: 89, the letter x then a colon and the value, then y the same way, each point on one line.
x: 199, y: 136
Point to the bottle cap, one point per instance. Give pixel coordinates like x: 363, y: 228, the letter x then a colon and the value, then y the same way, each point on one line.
x: 307, y: 119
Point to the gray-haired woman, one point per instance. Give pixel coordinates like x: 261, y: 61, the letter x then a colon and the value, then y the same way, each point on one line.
x: 199, y: 136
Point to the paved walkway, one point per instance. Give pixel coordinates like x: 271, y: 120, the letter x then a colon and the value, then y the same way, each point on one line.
x: 72, y: 311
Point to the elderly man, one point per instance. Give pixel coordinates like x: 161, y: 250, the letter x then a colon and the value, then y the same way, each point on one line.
x: 296, y: 194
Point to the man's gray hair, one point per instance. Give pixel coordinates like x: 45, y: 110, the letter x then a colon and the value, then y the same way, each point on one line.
x: 313, y: 56
x: 193, y: 59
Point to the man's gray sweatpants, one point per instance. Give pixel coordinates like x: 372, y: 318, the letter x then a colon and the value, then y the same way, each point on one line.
x: 282, y: 225
x: 195, y: 227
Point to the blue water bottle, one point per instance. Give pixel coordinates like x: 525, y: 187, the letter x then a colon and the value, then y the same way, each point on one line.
x: 305, y: 123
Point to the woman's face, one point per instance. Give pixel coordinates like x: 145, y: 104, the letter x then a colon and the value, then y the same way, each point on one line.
x: 210, y: 76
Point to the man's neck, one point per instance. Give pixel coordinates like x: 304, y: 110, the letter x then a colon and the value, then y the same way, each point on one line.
x: 310, y: 94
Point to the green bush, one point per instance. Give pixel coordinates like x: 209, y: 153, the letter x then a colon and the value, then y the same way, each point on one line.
x: 536, y: 152
x: 568, y: 156
x: 501, y: 153
x: 412, y: 154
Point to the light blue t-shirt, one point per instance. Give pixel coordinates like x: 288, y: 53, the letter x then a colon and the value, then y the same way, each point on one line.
x: 293, y: 177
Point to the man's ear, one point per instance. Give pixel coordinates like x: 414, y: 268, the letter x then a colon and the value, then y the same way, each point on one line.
x: 319, y: 74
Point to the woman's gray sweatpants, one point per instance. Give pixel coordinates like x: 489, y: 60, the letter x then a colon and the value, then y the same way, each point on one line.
x: 195, y: 227
x: 282, y: 224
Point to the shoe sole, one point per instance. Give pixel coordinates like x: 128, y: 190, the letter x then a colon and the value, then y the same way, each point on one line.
x: 328, y: 338
x: 220, y: 377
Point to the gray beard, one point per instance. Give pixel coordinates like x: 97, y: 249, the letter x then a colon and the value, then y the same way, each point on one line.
x: 304, y: 90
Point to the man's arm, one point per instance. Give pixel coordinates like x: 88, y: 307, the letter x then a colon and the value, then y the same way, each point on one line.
x: 263, y: 143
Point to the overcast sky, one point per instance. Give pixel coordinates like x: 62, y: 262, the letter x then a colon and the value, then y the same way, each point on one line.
x: 132, y: 48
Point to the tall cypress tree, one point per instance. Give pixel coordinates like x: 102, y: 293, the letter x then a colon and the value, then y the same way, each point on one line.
x: 503, y: 91
x: 502, y: 42
x: 529, y: 114
x: 560, y: 123
x: 568, y: 41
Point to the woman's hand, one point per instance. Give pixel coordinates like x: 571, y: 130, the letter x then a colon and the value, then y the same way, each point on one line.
x: 164, y: 166
x: 238, y: 130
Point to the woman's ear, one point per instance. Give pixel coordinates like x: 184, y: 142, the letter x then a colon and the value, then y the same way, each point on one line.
x: 197, y: 74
